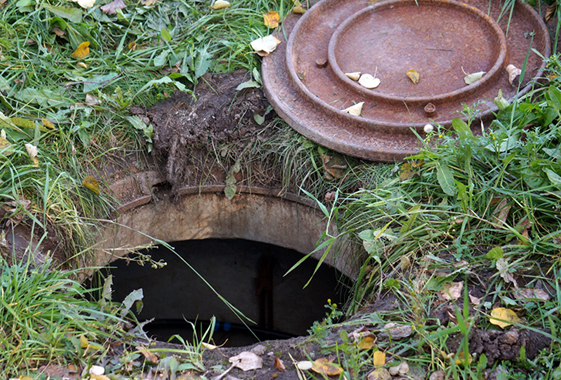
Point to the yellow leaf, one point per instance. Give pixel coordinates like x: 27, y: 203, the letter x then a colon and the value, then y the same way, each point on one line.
x: 413, y: 75
x: 366, y: 343
x: 379, y: 359
x: 91, y: 184
x: 503, y: 317
x: 132, y: 46
x: 406, y: 172
x: 5, y: 147
x: 82, y: 50
x: 221, y: 4
x: 298, y: 8
x: 460, y: 360
x: 84, y: 342
x: 271, y: 19
x: 325, y: 367
x: 47, y: 123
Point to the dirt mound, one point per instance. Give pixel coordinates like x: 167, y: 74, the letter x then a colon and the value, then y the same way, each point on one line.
x: 189, y: 128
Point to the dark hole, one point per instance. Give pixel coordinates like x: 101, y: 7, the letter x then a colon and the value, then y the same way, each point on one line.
x: 250, y: 275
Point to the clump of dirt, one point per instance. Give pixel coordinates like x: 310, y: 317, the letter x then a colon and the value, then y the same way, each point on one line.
x: 502, y: 345
x: 189, y: 128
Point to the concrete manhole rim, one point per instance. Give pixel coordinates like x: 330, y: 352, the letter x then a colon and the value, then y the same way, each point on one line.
x: 381, y: 141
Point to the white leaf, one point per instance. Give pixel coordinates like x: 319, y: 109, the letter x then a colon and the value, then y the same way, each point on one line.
x: 265, y: 45
x: 355, y: 110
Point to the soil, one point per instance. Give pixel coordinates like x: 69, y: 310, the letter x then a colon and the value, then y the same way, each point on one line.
x: 193, y: 133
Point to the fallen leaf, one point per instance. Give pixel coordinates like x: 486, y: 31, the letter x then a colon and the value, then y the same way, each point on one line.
x: 264, y: 46
x: 305, y: 365
x: 404, y: 263
x: 379, y: 359
x: 221, y: 4
x: 502, y: 210
x: 400, y: 369
x: 379, y: 374
x: 246, y: 361
x: 209, y: 346
x: 452, y: 290
x: 513, y: 74
x: 91, y: 183
x: 326, y: 367
x: 367, y: 342
x: 549, y: 12
x: 531, y: 294
x: 438, y: 375
x: 132, y: 46
x: 81, y: 65
x: 85, y: 3
x: 111, y: 8
x: 474, y: 300
x: 406, y: 172
x: 148, y: 3
x: 413, y: 75
x: 279, y: 365
x: 503, y: 269
x: 149, y: 355
x: 47, y: 123
x: 503, y: 317
x: 474, y: 77
x: 32, y: 151
x: 271, y: 19
x: 354, y: 76
x: 500, y: 101
x: 5, y: 147
x: 92, y: 101
x: 99, y: 377
x: 355, y: 110
x: 460, y: 360
x: 59, y: 32
x: 298, y: 8
x: 368, y: 81
x: 396, y: 331
x: 95, y: 369
x: 82, y: 50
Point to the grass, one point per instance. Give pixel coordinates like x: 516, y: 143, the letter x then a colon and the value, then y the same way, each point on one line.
x: 417, y: 226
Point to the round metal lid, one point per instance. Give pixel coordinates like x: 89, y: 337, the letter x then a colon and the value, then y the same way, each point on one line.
x: 441, y: 40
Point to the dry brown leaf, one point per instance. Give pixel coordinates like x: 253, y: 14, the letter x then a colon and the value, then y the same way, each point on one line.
x: 438, y: 375
x: 149, y: 355
x: 474, y: 300
x: 91, y: 183
x: 111, y: 8
x: 59, y: 32
x: 379, y: 374
x: 271, y: 19
x: 413, y: 75
x: 379, y: 359
x: 246, y: 361
x: 326, y: 367
x: 396, y: 331
x: 82, y: 50
x: 406, y: 172
x: 549, y: 12
x: 531, y: 294
x: 503, y: 317
x: 452, y: 290
x: 279, y: 365
x: 400, y: 369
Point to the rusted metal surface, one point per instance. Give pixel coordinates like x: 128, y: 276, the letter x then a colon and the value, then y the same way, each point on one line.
x: 442, y: 40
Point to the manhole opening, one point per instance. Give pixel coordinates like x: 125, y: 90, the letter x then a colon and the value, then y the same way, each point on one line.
x: 249, y: 274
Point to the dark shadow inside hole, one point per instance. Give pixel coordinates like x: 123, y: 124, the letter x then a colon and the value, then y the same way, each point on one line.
x: 249, y: 274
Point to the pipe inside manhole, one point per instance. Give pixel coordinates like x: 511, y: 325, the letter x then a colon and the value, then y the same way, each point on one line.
x: 249, y: 274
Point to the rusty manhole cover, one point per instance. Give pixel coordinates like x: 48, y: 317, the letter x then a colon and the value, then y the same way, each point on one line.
x: 442, y: 40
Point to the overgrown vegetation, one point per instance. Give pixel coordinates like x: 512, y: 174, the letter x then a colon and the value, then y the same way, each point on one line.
x: 479, y: 210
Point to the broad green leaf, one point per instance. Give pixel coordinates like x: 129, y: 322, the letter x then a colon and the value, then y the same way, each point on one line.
x: 446, y: 179
x: 202, y: 63
x: 461, y: 128
x: 71, y: 14
x: 554, y: 95
x: 554, y: 178
x: 495, y: 254
x: 161, y: 58
x: 98, y: 81
x: 44, y: 97
x: 134, y: 297
x: 248, y: 84
x: 166, y: 34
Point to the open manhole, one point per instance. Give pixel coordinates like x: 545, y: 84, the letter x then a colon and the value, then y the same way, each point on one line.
x: 250, y: 275
x: 441, y: 40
